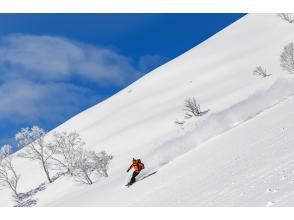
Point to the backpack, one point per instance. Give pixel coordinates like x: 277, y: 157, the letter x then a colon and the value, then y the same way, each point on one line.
x: 140, y: 164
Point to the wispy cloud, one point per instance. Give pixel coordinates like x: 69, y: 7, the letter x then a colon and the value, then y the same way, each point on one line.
x: 26, y: 101
x: 59, y: 59
x: 44, y: 79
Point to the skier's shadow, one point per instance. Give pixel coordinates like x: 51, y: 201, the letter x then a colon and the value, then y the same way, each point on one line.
x: 149, y: 174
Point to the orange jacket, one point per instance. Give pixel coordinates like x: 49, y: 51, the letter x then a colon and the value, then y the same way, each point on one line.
x: 137, y: 165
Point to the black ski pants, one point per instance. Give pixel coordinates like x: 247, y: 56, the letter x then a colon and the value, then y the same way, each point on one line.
x: 133, y: 179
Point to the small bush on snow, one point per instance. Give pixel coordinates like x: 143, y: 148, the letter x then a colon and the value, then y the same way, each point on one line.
x: 289, y: 17
x: 192, y: 108
x: 287, y: 58
x: 259, y: 71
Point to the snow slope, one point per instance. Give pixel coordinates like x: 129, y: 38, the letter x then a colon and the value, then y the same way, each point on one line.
x: 239, y: 154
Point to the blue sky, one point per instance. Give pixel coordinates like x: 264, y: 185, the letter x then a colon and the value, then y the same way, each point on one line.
x: 53, y: 66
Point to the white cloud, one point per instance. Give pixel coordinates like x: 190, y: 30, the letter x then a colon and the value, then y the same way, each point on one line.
x: 26, y: 101
x: 41, y: 77
x: 55, y: 58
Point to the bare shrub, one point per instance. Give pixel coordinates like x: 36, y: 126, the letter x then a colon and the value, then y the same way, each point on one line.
x: 287, y: 58
x: 289, y: 17
x: 258, y: 71
x: 192, y: 108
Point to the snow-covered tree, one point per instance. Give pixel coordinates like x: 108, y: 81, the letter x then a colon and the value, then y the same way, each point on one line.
x: 90, y: 163
x: 289, y: 17
x: 65, y: 146
x: 259, y: 71
x: 101, y: 162
x: 287, y: 58
x: 8, y: 176
x: 192, y: 108
x: 35, y: 147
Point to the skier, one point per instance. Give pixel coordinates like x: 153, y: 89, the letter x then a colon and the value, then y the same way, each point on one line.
x: 138, y: 166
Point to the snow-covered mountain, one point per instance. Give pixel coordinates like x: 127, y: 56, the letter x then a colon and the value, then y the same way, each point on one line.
x: 238, y: 154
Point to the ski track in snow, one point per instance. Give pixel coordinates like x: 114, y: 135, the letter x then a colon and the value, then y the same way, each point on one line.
x: 215, y: 124
x: 268, y: 184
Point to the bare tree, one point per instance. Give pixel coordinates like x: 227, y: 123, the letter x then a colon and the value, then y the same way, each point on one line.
x: 80, y: 163
x: 83, y: 168
x: 289, y: 17
x: 101, y: 162
x: 258, y: 71
x: 35, y: 147
x: 8, y: 176
x: 287, y: 58
x: 192, y: 108
x: 65, y: 146
x: 89, y: 163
